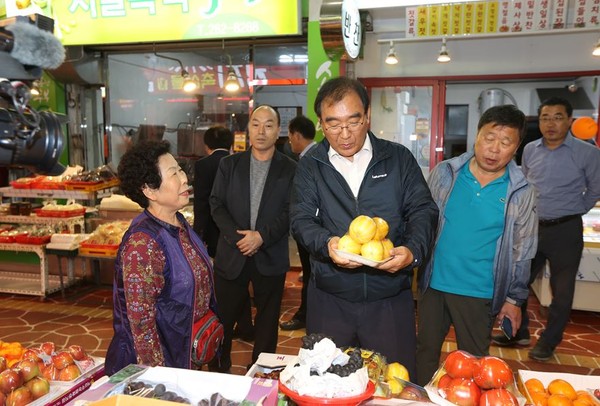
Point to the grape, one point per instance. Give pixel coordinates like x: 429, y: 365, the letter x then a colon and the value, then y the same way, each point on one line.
x: 160, y: 389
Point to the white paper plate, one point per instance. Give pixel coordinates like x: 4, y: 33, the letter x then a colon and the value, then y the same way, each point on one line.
x: 360, y: 259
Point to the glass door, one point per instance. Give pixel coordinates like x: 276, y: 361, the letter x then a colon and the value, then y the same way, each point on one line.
x: 409, y: 113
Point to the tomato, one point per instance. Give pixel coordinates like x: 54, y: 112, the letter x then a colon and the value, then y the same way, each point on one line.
x: 492, y: 372
x: 444, y: 381
x: 498, y: 397
x: 459, y: 364
x: 463, y: 392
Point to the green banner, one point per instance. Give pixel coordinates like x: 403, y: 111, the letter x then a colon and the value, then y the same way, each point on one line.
x: 320, y: 69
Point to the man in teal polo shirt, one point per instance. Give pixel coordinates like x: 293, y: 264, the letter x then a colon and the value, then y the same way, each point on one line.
x: 486, y: 239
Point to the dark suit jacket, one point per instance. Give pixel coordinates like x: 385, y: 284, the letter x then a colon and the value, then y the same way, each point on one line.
x: 205, y: 170
x: 230, y: 207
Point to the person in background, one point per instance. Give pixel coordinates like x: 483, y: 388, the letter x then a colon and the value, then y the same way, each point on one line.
x: 485, y: 242
x: 217, y: 144
x: 163, y: 274
x: 565, y: 172
x: 348, y: 174
x: 301, y: 134
x: 250, y: 205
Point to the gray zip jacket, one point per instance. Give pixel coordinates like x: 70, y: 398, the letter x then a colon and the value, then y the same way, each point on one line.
x: 518, y: 243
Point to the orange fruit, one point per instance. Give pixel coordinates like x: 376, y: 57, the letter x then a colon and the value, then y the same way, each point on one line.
x: 585, y: 398
x: 534, y: 385
x: 539, y: 398
x: 347, y: 244
x: 562, y: 387
x: 387, y: 246
x: 372, y: 250
x: 581, y: 402
x: 559, y: 400
x: 382, y: 228
x: 362, y: 229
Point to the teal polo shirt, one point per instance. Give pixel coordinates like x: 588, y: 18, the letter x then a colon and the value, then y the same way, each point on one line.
x: 463, y: 259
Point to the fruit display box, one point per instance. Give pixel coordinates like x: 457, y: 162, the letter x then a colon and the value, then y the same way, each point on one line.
x: 62, y: 392
x: 579, y: 382
x: 194, y: 385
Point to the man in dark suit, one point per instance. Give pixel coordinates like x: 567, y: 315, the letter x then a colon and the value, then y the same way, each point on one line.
x: 250, y: 205
x: 301, y: 135
x: 217, y: 143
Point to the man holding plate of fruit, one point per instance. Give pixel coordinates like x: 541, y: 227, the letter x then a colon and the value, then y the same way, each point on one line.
x: 361, y: 300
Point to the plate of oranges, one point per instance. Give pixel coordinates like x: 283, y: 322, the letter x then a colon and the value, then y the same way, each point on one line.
x: 366, y: 241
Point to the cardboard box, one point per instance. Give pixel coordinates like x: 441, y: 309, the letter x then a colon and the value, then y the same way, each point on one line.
x: 579, y: 382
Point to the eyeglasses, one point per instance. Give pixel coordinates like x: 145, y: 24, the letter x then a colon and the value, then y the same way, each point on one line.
x: 337, y: 129
x: 555, y: 119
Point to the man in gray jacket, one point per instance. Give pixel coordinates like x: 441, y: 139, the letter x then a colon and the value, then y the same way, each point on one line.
x: 352, y: 173
x: 486, y: 240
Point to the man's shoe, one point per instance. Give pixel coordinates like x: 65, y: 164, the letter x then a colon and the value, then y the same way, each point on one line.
x: 292, y: 324
x: 541, y: 352
x: 301, y: 277
x: 502, y: 341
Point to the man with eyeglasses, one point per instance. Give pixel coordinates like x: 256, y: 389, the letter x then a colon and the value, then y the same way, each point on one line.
x: 565, y: 172
x: 353, y: 173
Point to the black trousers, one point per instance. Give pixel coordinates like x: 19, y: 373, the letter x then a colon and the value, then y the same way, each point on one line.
x: 386, y: 326
x: 232, y: 296
x: 561, y: 246
x: 472, y: 321
x: 306, y: 272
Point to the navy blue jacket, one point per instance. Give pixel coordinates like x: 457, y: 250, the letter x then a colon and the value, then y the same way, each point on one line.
x: 174, y: 308
x: 323, y: 206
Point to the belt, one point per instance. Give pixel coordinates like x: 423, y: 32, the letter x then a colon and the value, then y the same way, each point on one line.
x: 559, y: 220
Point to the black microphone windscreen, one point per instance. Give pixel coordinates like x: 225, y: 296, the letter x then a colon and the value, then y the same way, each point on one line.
x: 36, y: 47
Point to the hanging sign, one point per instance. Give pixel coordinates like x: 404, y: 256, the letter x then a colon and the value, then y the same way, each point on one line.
x: 91, y: 22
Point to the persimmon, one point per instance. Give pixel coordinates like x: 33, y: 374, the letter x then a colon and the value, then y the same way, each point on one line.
x: 562, y: 387
x: 559, y: 400
x: 539, y: 398
x: 534, y: 385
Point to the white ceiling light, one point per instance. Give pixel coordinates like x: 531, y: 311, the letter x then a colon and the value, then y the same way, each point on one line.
x: 391, y: 58
x: 444, y: 56
x: 596, y: 51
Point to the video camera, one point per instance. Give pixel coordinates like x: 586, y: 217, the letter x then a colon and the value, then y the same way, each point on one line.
x: 28, y: 138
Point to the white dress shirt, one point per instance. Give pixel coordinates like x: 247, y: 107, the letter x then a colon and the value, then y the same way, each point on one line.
x: 353, y: 170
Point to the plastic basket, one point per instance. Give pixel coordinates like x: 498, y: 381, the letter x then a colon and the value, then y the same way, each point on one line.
x: 98, y: 250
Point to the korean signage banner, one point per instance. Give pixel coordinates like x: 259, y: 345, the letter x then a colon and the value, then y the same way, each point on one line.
x: 501, y: 16
x: 89, y: 22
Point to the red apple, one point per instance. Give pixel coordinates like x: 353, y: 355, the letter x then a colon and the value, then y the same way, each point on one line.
x: 10, y: 379
x: 19, y: 397
x: 32, y: 354
x: 2, y: 398
x: 29, y: 369
x: 38, y: 387
x: 50, y: 372
x: 2, y: 366
x: 62, y: 360
x: 47, y: 347
x: 77, y: 352
x: 69, y: 373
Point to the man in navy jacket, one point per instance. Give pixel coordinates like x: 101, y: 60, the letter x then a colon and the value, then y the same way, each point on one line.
x: 352, y: 173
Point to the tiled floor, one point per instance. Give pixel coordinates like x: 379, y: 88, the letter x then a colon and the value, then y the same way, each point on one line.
x: 84, y: 317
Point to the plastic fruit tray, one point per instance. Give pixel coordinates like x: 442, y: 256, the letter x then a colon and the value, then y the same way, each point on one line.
x: 34, y: 240
x: 90, y: 186
x: 60, y: 213
x: 99, y: 250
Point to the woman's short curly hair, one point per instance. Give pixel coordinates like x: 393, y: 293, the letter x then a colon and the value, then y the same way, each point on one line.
x: 139, y: 168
